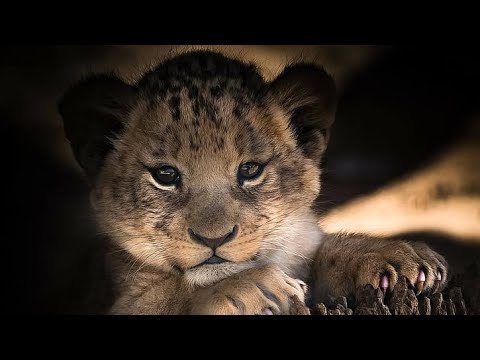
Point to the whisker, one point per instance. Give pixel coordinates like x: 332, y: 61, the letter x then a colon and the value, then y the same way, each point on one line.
x: 283, y: 215
x: 286, y: 250
x: 304, y: 258
x: 144, y: 263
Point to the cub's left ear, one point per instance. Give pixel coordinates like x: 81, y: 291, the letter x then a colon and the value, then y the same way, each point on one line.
x: 94, y: 110
x: 308, y: 95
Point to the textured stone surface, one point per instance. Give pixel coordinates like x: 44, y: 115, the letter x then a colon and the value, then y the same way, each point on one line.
x: 455, y: 295
x: 297, y: 307
x: 424, y: 306
x: 369, y: 301
x: 403, y: 300
x: 469, y: 283
x: 461, y: 297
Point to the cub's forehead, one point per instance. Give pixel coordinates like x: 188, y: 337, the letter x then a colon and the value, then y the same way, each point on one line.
x: 203, y: 104
x: 206, y: 70
x: 202, y: 90
x: 212, y: 130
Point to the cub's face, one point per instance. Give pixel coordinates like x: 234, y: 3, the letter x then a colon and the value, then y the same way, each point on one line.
x: 202, y: 167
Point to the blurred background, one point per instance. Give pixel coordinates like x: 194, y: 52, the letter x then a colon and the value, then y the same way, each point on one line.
x: 404, y: 156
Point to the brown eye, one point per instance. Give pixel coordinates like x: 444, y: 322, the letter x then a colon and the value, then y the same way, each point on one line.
x: 166, y: 175
x: 249, y: 171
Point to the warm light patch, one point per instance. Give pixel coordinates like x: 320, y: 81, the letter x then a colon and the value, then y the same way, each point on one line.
x: 443, y: 197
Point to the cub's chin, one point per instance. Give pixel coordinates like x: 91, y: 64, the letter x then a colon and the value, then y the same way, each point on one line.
x: 208, y: 274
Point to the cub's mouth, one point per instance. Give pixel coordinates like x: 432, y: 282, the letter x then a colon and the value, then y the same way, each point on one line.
x: 214, y: 259
x: 213, y: 270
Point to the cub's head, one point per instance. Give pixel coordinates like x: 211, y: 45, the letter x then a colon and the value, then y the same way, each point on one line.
x: 202, y: 167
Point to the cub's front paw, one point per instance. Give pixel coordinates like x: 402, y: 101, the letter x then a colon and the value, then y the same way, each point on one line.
x: 425, y: 269
x: 262, y: 291
x: 380, y: 263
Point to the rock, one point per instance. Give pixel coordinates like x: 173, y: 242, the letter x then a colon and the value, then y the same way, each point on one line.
x: 298, y: 307
x: 461, y: 297
x: 469, y: 283
x: 321, y: 309
x: 424, y: 306
x: 370, y: 302
x: 438, y: 307
x: 403, y: 300
x: 336, y: 307
x: 455, y: 294
x: 450, y: 307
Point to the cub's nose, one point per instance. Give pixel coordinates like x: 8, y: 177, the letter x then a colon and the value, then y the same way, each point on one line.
x: 214, y: 243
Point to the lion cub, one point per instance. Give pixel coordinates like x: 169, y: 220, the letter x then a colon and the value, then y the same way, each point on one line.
x: 203, y: 176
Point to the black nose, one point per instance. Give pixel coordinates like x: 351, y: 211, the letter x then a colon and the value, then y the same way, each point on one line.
x: 214, y: 242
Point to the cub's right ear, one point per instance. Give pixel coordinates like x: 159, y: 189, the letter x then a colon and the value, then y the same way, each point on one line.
x: 93, y: 111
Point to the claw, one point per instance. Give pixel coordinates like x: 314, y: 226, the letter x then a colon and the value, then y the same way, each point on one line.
x: 303, y: 286
x: 421, y: 276
x: 384, y: 283
x: 419, y: 287
x: 267, y: 312
x: 420, y: 281
x: 436, y: 284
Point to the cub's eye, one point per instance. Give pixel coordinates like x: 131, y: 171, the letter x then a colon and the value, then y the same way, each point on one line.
x: 166, y: 175
x: 249, y: 171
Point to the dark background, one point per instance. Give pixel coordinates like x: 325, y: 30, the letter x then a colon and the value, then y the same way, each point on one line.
x: 400, y: 106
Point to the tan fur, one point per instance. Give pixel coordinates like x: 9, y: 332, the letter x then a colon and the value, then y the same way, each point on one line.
x: 156, y: 266
x: 256, y: 290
